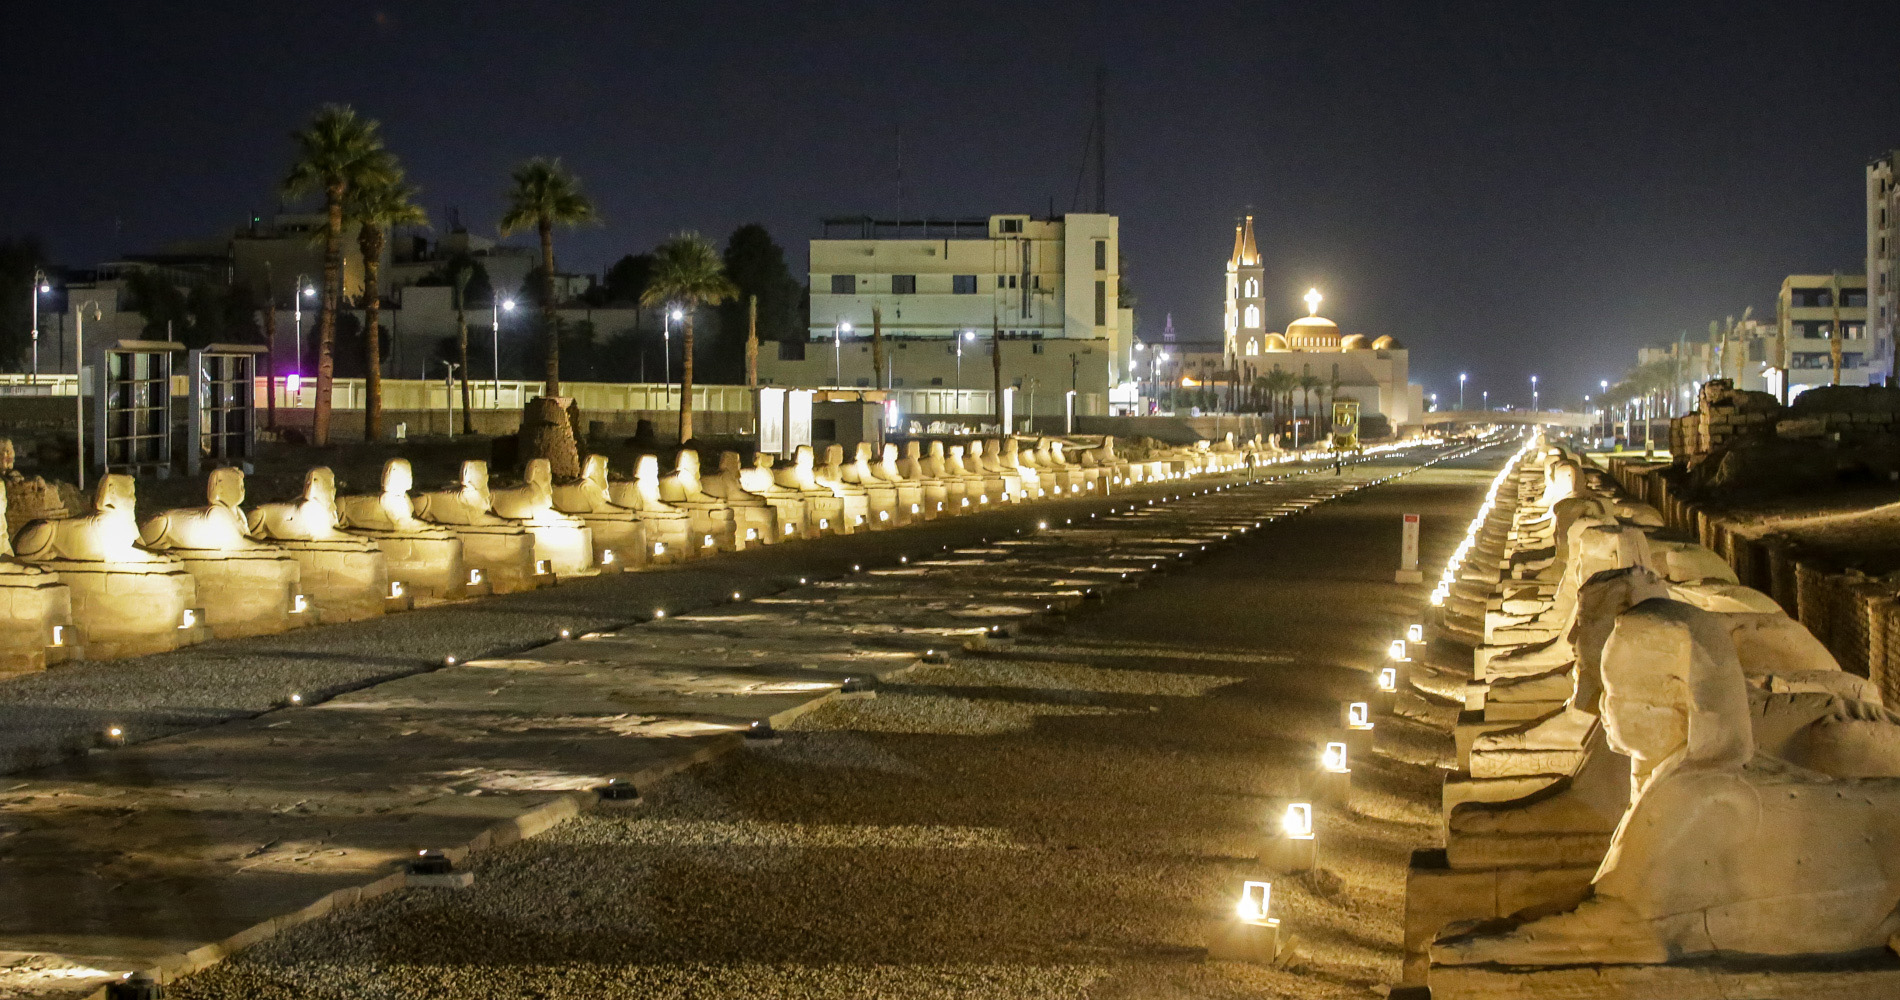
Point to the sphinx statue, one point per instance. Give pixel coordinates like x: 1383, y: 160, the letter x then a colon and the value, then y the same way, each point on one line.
x: 38, y: 627
x: 1022, y: 465
x: 984, y: 461
x: 788, y: 505
x: 958, y: 495
x: 34, y: 499
x: 245, y: 586
x: 345, y: 577
x: 856, y: 501
x: 910, y: 493
x: 126, y: 600
x: 880, y: 495
x: 713, y: 528
x: 755, y: 519
x: 499, y: 551
x: 669, y: 530
x: 563, y: 542
x: 424, y: 561
x: 917, y: 469
x: 1760, y: 822
x: 824, y: 509
x: 618, y: 534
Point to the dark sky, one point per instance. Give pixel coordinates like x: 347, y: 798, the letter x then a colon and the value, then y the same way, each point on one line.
x: 1509, y: 188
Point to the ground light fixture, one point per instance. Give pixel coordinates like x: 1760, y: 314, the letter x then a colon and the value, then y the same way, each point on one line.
x: 1415, y: 633
x: 295, y: 698
x: 1388, y: 679
x: 1396, y: 651
x: 1256, y: 902
x: 448, y: 661
x: 1297, y: 821
x: 1358, y: 716
x: 1332, y: 759
x: 659, y: 612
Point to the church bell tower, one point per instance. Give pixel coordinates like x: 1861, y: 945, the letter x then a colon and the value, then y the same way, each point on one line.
x: 1246, y: 324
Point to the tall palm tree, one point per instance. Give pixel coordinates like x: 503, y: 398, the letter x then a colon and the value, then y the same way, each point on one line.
x: 1279, y: 384
x: 460, y: 273
x: 1310, y: 383
x: 545, y: 195
x: 376, y: 207
x: 335, y: 152
x: 687, y: 272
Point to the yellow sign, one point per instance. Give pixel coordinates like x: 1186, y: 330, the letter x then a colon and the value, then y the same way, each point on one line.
x: 1345, y: 425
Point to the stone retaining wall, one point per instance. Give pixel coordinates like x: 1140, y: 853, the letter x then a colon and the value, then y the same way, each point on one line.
x: 1855, y: 616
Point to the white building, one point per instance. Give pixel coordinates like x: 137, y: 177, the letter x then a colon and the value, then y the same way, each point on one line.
x: 1048, y: 287
x: 1373, y: 371
x: 1815, y: 312
x: 1883, y: 263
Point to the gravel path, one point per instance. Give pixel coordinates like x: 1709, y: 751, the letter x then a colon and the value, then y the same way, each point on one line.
x: 1065, y: 815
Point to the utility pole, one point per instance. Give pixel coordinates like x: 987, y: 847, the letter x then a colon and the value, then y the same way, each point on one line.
x: 752, y: 342
x: 996, y: 367
x: 877, y: 347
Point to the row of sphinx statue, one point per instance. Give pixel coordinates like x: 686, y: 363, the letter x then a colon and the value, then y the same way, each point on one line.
x: 1657, y: 764
x: 101, y: 584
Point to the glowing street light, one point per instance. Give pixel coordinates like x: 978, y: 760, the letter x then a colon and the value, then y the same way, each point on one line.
x: 495, y: 308
x: 1461, y: 392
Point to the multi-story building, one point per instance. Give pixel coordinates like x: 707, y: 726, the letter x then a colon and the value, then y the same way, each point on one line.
x: 1816, y: 312
x: 936, y: 289
x: 1883, y: 261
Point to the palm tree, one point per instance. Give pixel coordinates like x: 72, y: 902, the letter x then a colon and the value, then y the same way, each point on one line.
x: 1310, y: 383
x: 461, y: 270
x: 688, y: 273
x: 337, y: 151
x: 377, y: 207
x: 545, y: 195
x: 1279, y: 382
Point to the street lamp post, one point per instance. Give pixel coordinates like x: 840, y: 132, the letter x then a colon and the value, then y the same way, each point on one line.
x: 666, y: 349
x: 1533, y: 394
x: 496, y: 306
x: 1603, y: 385
x: 965, y: 335
x: 1485, y: 397
x: 1461, y: 392
x: 40, y: 287
x: 837, y: 351
x: 297, y: 303
x: 79, y: 379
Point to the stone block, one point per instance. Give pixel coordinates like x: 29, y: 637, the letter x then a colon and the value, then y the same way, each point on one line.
x: 343, y: 583
x: 245, y: 593
x: 429, y: 566
x: 129, y: 610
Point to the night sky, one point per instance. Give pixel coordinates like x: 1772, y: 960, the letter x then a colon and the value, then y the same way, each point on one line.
x: 1506, y: 188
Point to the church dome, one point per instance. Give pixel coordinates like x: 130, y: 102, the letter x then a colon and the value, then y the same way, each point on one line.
x: 1312, y: 332
x: 1387, y: 343
x: 1273, y: 342
x: 1353, y: 342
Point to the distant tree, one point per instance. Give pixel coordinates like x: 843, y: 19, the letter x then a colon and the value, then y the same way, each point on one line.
x: 624, y: 282
x: 545, y: 195
x: 687, y: 272
x: 162, y: 305
x: 351, y: 351
x: 1310, y: 383
x: 377, y: 205
x: 335, y: 152
x: 757, y: 267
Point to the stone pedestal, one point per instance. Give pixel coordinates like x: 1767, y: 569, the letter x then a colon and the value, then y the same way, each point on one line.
x: 505, y: 555
x: 1283, y: 855
x: 245, y: 593
x: 1359, y: 744
x: 1256, y: 941
x: 567, y: 549
x: 430, y: 566
x: 31, y: 605
x: 342, y: 582
x: 129, y: 609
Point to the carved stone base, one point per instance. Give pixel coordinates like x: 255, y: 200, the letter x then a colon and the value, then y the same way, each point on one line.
x: 31, y: 604
x: 129, y: 609
x: 504, y: 555
x: 245, y: 594
x: 430, y: 567
x: 343, y: 582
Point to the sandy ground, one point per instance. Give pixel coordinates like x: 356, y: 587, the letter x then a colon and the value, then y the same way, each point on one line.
x: 1066, y: 817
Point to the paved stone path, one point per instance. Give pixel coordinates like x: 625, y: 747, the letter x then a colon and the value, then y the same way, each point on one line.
x: 158, y: 854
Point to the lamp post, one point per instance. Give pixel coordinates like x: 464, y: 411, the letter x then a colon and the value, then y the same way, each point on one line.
x: 79, y: 379
x: 1486, y: 404
x: 303, y: 291
x: 1603, y: 385
x: 1461, y: 392
x: 40, y: 287
x: 496, y: 306
x: 666, y: 349
x: 837, y: 351
x: 1533, y: 394
x: 965, y: 335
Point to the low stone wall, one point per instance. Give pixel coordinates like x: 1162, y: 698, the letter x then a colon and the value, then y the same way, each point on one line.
x: 347, y: 425
x: 1855, y: 616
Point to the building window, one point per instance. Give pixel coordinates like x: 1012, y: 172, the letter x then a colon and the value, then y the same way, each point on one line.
x: 1101, y: 303
x: 1253, y: 288
x: 1853, y: 298
x: 1035, y: 281
x: 1009, y: 225
x: 1035, y: 348
x: 1101, y: 255
x: 1253, y: 317
x: 896, y: 382
x: 1253, y: 347
x: 844, y: 284
x: 903, y: 284
x: 963, y: 284
x: 936, y: 380
x: 1011, y: 280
